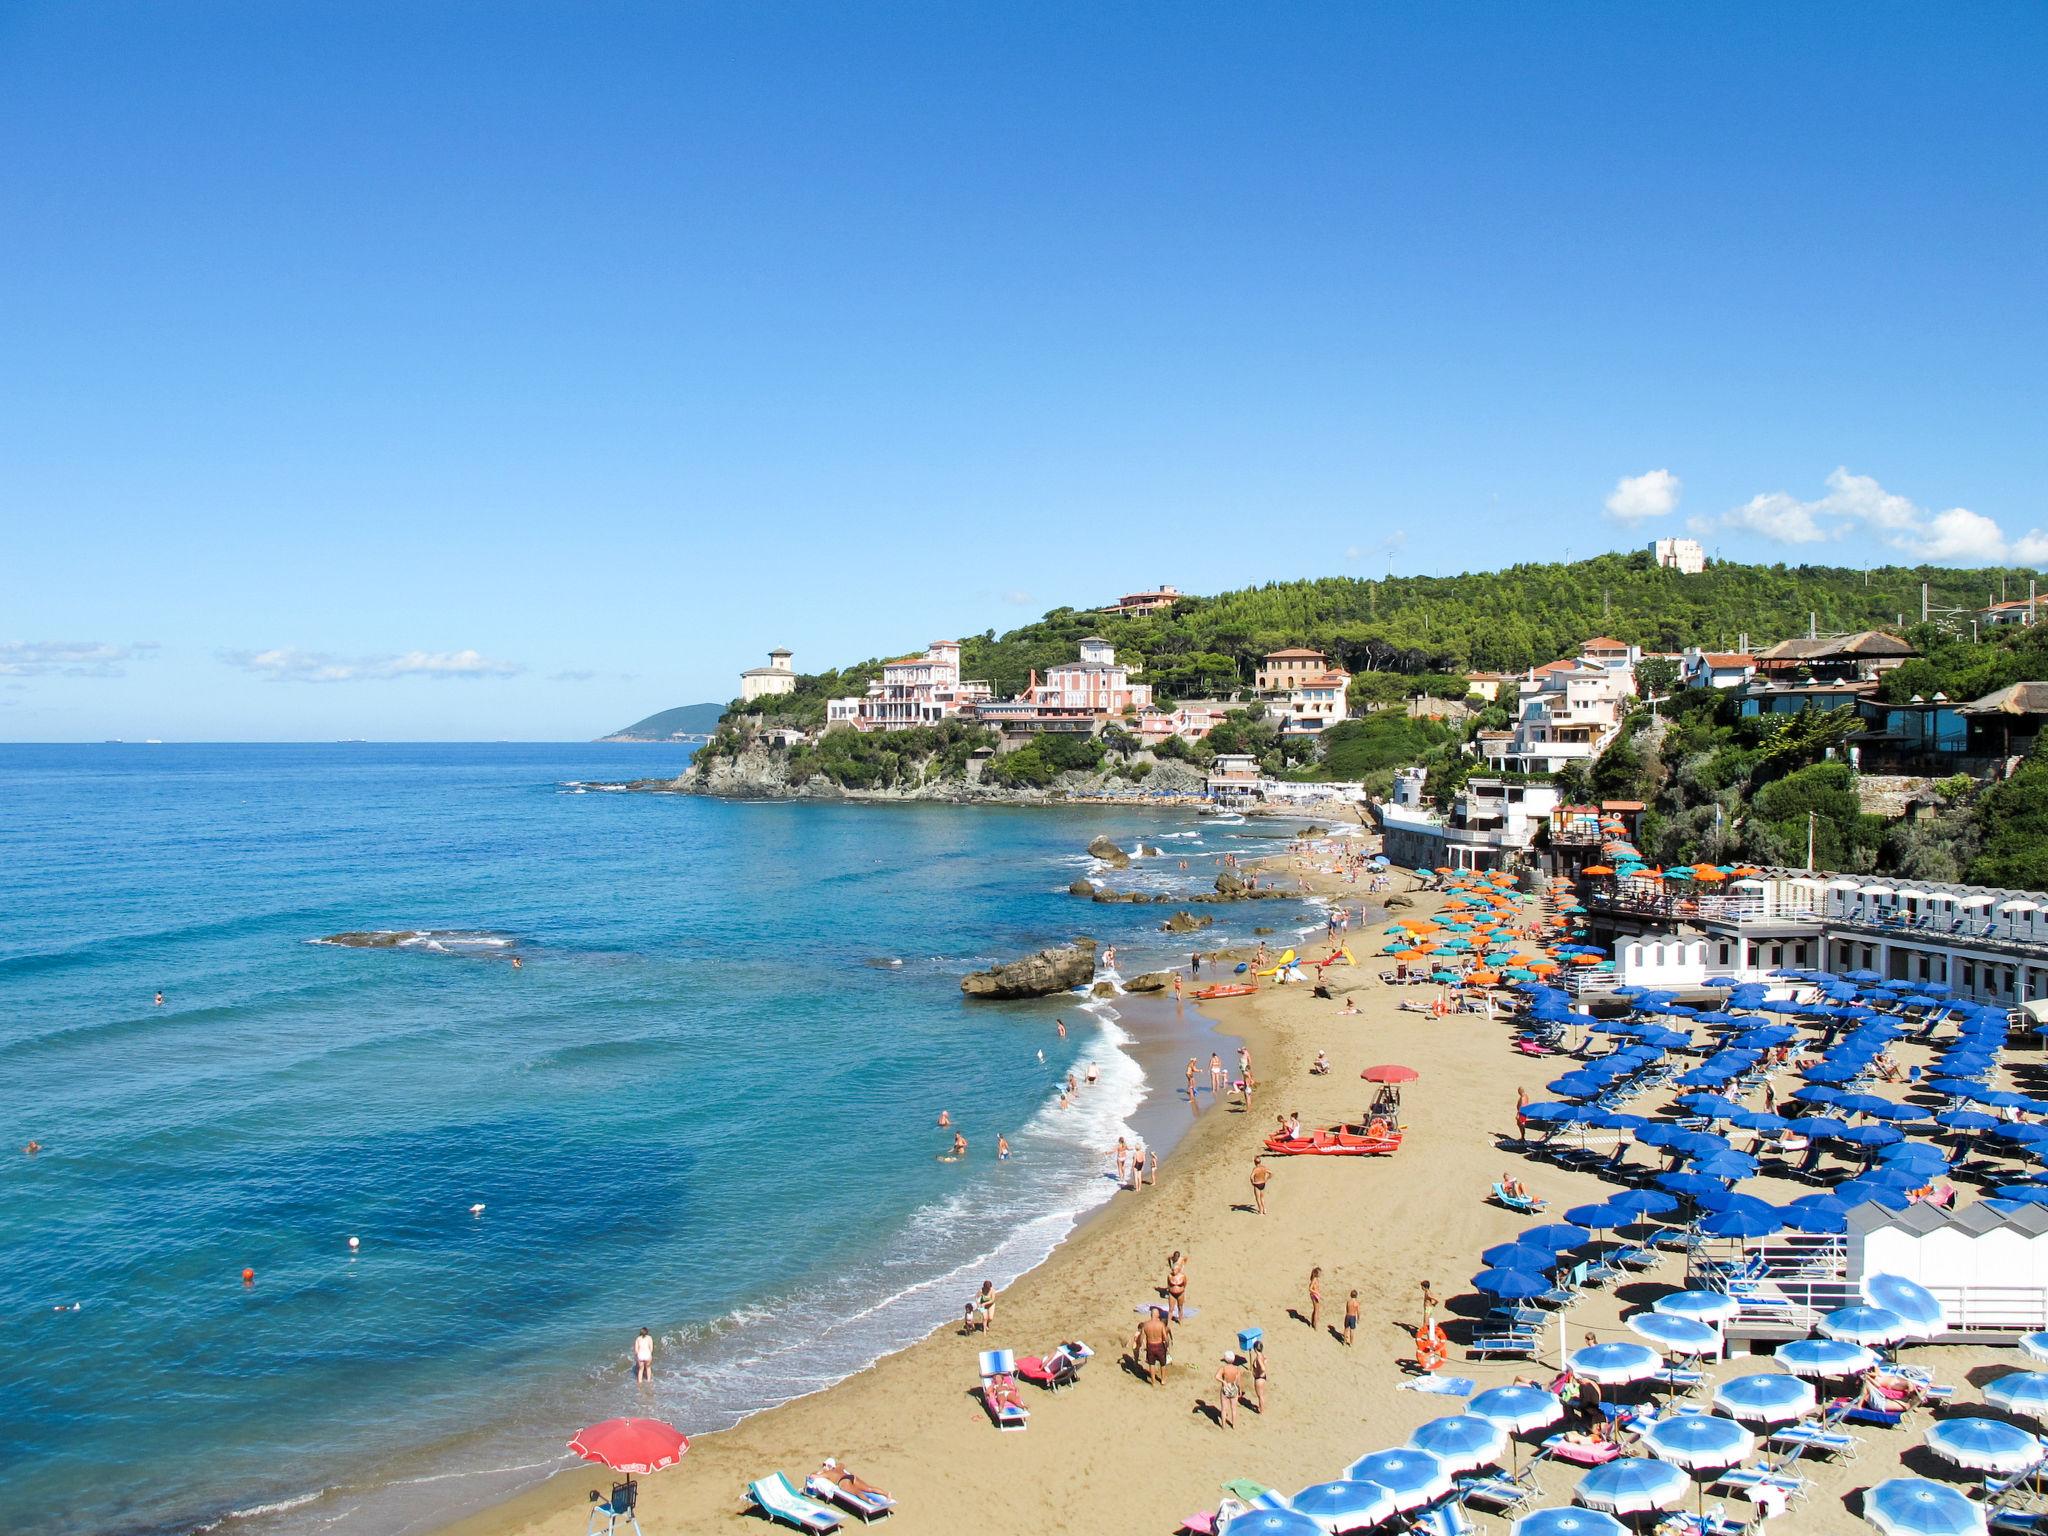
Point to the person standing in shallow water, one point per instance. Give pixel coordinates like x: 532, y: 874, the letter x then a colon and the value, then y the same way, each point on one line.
x: 643, y: 1356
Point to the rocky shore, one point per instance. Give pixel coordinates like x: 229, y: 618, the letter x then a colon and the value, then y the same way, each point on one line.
x: 758, y: 773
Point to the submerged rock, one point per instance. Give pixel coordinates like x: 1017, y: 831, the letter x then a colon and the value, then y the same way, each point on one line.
x: 379, y: 939
x: 1102, y: 989
x: 1039, y: 975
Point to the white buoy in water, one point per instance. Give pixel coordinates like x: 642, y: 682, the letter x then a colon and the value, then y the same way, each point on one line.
x: 354, y: 1243
x: 477, y: 1209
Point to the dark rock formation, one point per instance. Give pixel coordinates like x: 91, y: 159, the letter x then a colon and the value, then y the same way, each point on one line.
x: 1081, y: 888
x: 382, y: 939
x: 1039, y: 975
x: 1185, y: 922
x: 1102, y: 848
x: 1151, y: 981
x: 1228, y: 884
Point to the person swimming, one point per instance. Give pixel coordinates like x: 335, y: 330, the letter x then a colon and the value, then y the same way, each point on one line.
x: 944, y: 1119
x: 959, y: 1145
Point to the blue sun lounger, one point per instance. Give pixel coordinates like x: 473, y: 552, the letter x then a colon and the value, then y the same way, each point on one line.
x: 782, y: 1504
x: 869, y: 1506
x: 1001, y: 1363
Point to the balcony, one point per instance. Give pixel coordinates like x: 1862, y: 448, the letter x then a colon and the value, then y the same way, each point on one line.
x: 1977, y: 932
x: 1689, y: 908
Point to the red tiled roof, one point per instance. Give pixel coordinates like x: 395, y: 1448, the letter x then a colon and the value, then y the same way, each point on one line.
x: 1604, y: 643
x: 1294, y: 653
x: 1729, y: 659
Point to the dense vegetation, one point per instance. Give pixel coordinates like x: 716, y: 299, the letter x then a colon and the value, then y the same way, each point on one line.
x: 1424, y: 632
x: 685, y: 720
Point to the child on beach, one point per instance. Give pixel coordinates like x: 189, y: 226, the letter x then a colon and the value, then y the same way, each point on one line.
x: 1122, y: 1157
x: 1315, y: 1297
x: 1351, y: 1317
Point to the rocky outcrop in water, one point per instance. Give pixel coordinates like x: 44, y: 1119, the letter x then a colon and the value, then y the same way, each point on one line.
x: 380, y: 939
x: 1039, y: 975
x: 1102, y: 848
x: 1151, y: 981
x: 1185, y: 922
x: 1081, y: 888
x: 1228, y: 884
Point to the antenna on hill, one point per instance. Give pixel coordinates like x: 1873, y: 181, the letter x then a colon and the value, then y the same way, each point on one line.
x: 1931, y: 612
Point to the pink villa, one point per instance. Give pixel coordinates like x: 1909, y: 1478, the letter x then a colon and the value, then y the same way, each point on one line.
x: 1073, y: 696
x: 913, y: 690
x: 1188, y: 722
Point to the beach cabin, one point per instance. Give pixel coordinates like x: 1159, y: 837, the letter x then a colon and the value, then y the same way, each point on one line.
x: 1987, y: 1261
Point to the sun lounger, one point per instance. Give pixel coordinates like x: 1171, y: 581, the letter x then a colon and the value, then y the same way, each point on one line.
x: 1815, y: 1439
x: 869, y: 1506
x: 2017, y: 1522
x: 1883, y: 1418
x: 783, y: 1505
x: 1448, y: 1519
x: 1521, y: 1203
x: 999, y: 1367
x: 1061, y: 1368
x: 1745, y: 1480
x: 1505, y: 1496
x: 1519, y: 1343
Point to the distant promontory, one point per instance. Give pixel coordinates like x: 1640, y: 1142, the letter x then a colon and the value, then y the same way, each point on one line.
x: 683, y: 720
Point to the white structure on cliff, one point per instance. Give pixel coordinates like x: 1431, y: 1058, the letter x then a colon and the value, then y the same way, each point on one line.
x: 1684, y: 556
x: 777, y: 677
x: 912, y: 690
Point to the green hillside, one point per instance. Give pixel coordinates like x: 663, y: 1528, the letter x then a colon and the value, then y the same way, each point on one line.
x: 1502, y: 621
x: 686, y: 719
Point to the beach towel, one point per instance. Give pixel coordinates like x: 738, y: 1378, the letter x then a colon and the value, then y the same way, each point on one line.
x: 1448, y: 1386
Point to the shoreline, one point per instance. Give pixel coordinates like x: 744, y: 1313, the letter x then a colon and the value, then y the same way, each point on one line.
x: 923, y: 1390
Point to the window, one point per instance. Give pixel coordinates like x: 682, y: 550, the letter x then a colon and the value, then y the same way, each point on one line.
x: 1969, y: 975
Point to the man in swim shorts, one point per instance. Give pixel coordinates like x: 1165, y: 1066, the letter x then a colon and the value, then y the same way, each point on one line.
x: 1150, y: 1345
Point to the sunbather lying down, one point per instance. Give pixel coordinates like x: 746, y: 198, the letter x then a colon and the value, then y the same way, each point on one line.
x: 1003, y: 1393
x: 843, y: 1477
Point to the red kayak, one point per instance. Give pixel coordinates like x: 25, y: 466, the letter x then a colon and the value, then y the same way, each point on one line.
x: 1336, y: 1143
x: 1232, y: 990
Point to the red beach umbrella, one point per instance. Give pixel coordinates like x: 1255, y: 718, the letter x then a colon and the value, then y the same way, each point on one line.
x: 1390, y: 1074
x: 632, y: 1446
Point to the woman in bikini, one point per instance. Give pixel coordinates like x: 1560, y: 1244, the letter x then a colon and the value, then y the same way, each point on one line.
x: 1259, y: 1377
x: 1229, y: 1387
x: 1176, y: 1287
x: 1315, y: 1297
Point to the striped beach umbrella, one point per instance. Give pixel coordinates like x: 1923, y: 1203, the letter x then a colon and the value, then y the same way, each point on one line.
x: 1275, y: 1522
x: 1771, y: 1399
x: 1633, y: 1485
x: 1824, y: 1357
x: 1913, y: 1506
x: 1461, y: 1441
x: 1342, y: 1506
x: 1568, y: 1522
x: 1675, y: 1334
x: 1916, y: 1306
x: 1863, y: 1325
x: 1517, y: 1409
x: 1984, y: 1445
x: 1411, y: 1478
x: 1707, y: 1306
x: 2021, y: 1392
x: 1614, y: 1363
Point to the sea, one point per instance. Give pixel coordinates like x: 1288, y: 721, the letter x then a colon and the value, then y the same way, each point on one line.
x: 325, y: 1238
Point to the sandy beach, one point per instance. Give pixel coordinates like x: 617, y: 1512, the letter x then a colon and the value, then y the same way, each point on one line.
x: 1117, y: 1454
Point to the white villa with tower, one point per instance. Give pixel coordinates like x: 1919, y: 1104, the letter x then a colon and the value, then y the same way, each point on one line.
x: 779, y: 676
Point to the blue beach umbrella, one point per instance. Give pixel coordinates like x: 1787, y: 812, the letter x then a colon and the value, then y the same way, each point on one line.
x: 1615, y: 1362
x: 1644, y: 1202
x: 2021, y: 1392
x: 1823, y: 1357
x: 1771, y: 1399
x: 1869, y: 1135
x: 1913, y: 1506
x: 1275, y: 1522
x: 1699, y: 1441
x: 1983, y: 1445
x: 1517, y: 1409
x: 1598, y: 1218
x: 1461, y: 1441
x: 1342, y: 1506
x: 1814, y: 1220
x: 1703, y: 1306
x: 2035, y: 1346
x: 1690, y: 1185
x: 1510, y: 1284
x: 1675, y: 1334
x: 1557, y: 1236
x: 1632, y: 1486
x: 1741, y: 1222
x: 2022, y: 1194
x: 1412, y: 1478
x: 1863, y: 1325
x: 1912, y: 1301
x: 1522, y: 1256
x: 1726, y: 1165
x: 1568, y: 1522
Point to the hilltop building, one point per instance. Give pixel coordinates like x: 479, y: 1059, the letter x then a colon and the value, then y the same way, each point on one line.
x: 1077, y: 695
x: 1715, y: 669
x: 1145, y: 602
x: 1316, y: 703
x: 1822, y: 672
x: 912, y: 690
x: 779, y: 676
x: 1566, y: 711
x: 1279, y: 671
x: 1684, y: 556
x: 2021, y: 610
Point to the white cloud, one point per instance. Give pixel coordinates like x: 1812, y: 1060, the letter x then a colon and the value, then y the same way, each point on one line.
x: 70, y: 658
x: 1017, y: 598
x: 1856, y: 505
x: 289, y: 664
x: 1637, y: 498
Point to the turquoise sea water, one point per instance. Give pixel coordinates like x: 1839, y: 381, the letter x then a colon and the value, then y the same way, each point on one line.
x: 705, y: 1103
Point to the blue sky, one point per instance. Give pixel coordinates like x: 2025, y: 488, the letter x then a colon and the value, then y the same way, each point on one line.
x: 513, y: 370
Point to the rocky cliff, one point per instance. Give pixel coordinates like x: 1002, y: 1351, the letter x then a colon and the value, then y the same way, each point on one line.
x: 759, y: 773
x: 1039, y: 975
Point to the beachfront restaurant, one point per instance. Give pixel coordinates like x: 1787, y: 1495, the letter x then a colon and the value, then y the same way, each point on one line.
x: 1985, y: 944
